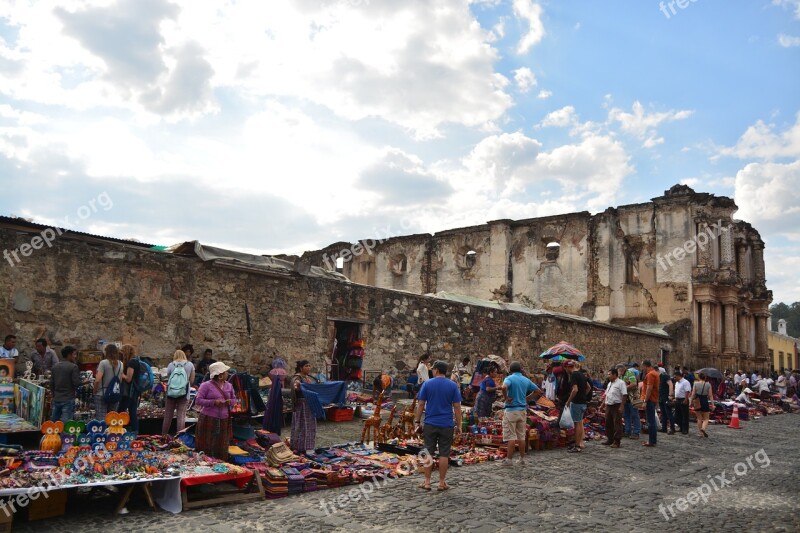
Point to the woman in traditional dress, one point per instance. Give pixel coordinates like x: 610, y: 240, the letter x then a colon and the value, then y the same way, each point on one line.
x: 488, y: 393
x: 304, y: 425
x: 215, y: 398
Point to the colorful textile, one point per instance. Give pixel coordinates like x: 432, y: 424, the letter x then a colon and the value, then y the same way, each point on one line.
x: 304, y: 427
x: 213, y: 435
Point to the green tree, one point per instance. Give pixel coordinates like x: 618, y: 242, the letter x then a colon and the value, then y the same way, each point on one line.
x: 790, y: 313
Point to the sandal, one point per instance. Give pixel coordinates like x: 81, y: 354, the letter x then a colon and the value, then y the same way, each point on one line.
x: 574, y: 450
x: 424, y: 486
x: 704, y: 433
x: 443, y: 487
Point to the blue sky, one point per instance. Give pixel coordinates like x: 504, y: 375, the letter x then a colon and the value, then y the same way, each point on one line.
x: 284, y: 126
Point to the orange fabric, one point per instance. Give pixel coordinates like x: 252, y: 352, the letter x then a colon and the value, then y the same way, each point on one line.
x: 652, y: 379
x: 386, y: 381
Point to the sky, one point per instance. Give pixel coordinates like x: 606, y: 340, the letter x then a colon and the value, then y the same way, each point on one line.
x: 288, y: 125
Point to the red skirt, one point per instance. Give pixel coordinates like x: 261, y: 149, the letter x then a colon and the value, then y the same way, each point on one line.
x: 213, y: 436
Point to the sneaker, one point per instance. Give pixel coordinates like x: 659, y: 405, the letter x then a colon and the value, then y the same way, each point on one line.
x: 671, y: 432
x: 626, y: 435
x: 635, y: 437
x: 521, y: 462
x: 606, y: 443
x: 506, y: 462
x: 615, y: 445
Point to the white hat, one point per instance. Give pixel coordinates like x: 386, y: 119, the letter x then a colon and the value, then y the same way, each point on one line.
x: 218, y: 368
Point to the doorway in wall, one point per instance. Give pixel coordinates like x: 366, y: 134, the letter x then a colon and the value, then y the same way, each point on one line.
x: 347, y: 357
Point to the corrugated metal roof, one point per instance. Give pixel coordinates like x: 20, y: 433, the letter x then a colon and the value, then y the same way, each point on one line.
x: 20, y: 224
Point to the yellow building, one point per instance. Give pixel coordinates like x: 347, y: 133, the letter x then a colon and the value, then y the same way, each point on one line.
x: 782, y: 348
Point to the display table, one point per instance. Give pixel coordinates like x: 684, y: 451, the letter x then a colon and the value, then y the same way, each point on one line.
x: 243, y: 482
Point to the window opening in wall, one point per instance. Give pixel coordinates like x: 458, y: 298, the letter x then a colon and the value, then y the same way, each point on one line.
x: 339, y: 264
x: 630, y: 270
x: 551, y: 253
x: 469, y: 258
x: 399, y: 264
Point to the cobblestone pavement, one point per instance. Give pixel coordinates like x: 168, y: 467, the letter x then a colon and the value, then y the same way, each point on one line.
x: 629, y: 489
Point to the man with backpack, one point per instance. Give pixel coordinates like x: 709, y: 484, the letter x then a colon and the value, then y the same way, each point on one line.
x: 180, y: 374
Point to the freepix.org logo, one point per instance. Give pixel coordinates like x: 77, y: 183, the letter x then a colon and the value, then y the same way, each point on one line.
x: 714, y: 484
x: 701, y: 241
x: 48, y: 235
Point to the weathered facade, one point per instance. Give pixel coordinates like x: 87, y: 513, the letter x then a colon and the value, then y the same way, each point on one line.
x: 680, y: 257
x: 83, y: 288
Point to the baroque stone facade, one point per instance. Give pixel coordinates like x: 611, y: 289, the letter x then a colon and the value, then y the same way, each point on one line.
x: 680, y: 257
x: 82, y: 288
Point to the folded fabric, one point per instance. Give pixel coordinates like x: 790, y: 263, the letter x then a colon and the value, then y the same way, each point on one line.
x: 235, y: 450
x: 330, y: 392
x: 313, y: 401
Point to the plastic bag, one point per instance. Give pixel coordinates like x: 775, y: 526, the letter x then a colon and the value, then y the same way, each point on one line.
x: 566, y: 419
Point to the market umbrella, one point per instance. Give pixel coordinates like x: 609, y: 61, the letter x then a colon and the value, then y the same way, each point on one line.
x: 711, y: 372
x: 499, y: 361
x: 563, y: 349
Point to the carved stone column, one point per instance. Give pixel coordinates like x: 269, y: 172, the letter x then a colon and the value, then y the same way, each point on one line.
x: 758, y: 262
x: 726, y: 246
x: 743, y: 333
x: 706, y: 327
x: 762, y: 351
x: 741, y: 253
x: 704, y: 252
x: 730, y: 341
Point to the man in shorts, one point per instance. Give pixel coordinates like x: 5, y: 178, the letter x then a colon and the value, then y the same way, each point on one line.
x: 516, y: 390
x: 440, y: 399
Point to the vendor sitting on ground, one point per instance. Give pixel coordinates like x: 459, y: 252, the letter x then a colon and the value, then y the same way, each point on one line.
x: 411, y: 383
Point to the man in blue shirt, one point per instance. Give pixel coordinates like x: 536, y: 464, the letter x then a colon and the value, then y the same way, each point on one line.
x: 440, y: 399
x: 516, y: 390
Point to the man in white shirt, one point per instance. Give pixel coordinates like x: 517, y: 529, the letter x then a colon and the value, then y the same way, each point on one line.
x: 9, y: 348
x: 683, y: 390
x: 616, y: 392
x: 737, y: 378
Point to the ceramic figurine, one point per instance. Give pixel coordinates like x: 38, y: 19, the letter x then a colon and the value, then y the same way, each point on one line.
x: 98, y: 441
x: 117, y: 422
x: 51, y: 441
x: 96, y: 426
x: 67, y: 441
x: 113, y: 441
x: 74, y: 427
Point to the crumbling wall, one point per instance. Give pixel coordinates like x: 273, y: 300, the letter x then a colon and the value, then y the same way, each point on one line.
x: 76, y: 293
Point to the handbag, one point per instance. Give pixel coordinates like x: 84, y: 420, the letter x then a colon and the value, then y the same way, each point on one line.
x: 696, y: 403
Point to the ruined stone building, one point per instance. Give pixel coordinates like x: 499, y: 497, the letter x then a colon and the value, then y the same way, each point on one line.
x: 679, y: 261
x: 74, y: 288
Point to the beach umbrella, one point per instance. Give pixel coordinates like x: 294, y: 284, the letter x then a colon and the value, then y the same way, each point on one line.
x: 711, y: 372
x: 564, y: 350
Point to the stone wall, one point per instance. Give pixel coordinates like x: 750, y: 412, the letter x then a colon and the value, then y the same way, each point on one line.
x: 79, y: 291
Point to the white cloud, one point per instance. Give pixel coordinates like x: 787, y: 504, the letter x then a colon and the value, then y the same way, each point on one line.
x: 782, y: 266
x: 770, y: 193
x: 544, y: 94
x: 404, y: 63
x: 590, y: 172
x: 560, y: 118
x: 644, y: 125
x: 525, y: 78
x: 792, y: 4
x: 531, y: 13
x: 788, y: 41
x: 760, y: 141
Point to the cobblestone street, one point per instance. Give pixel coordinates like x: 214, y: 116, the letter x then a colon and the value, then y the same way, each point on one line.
x: 629, y: 489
